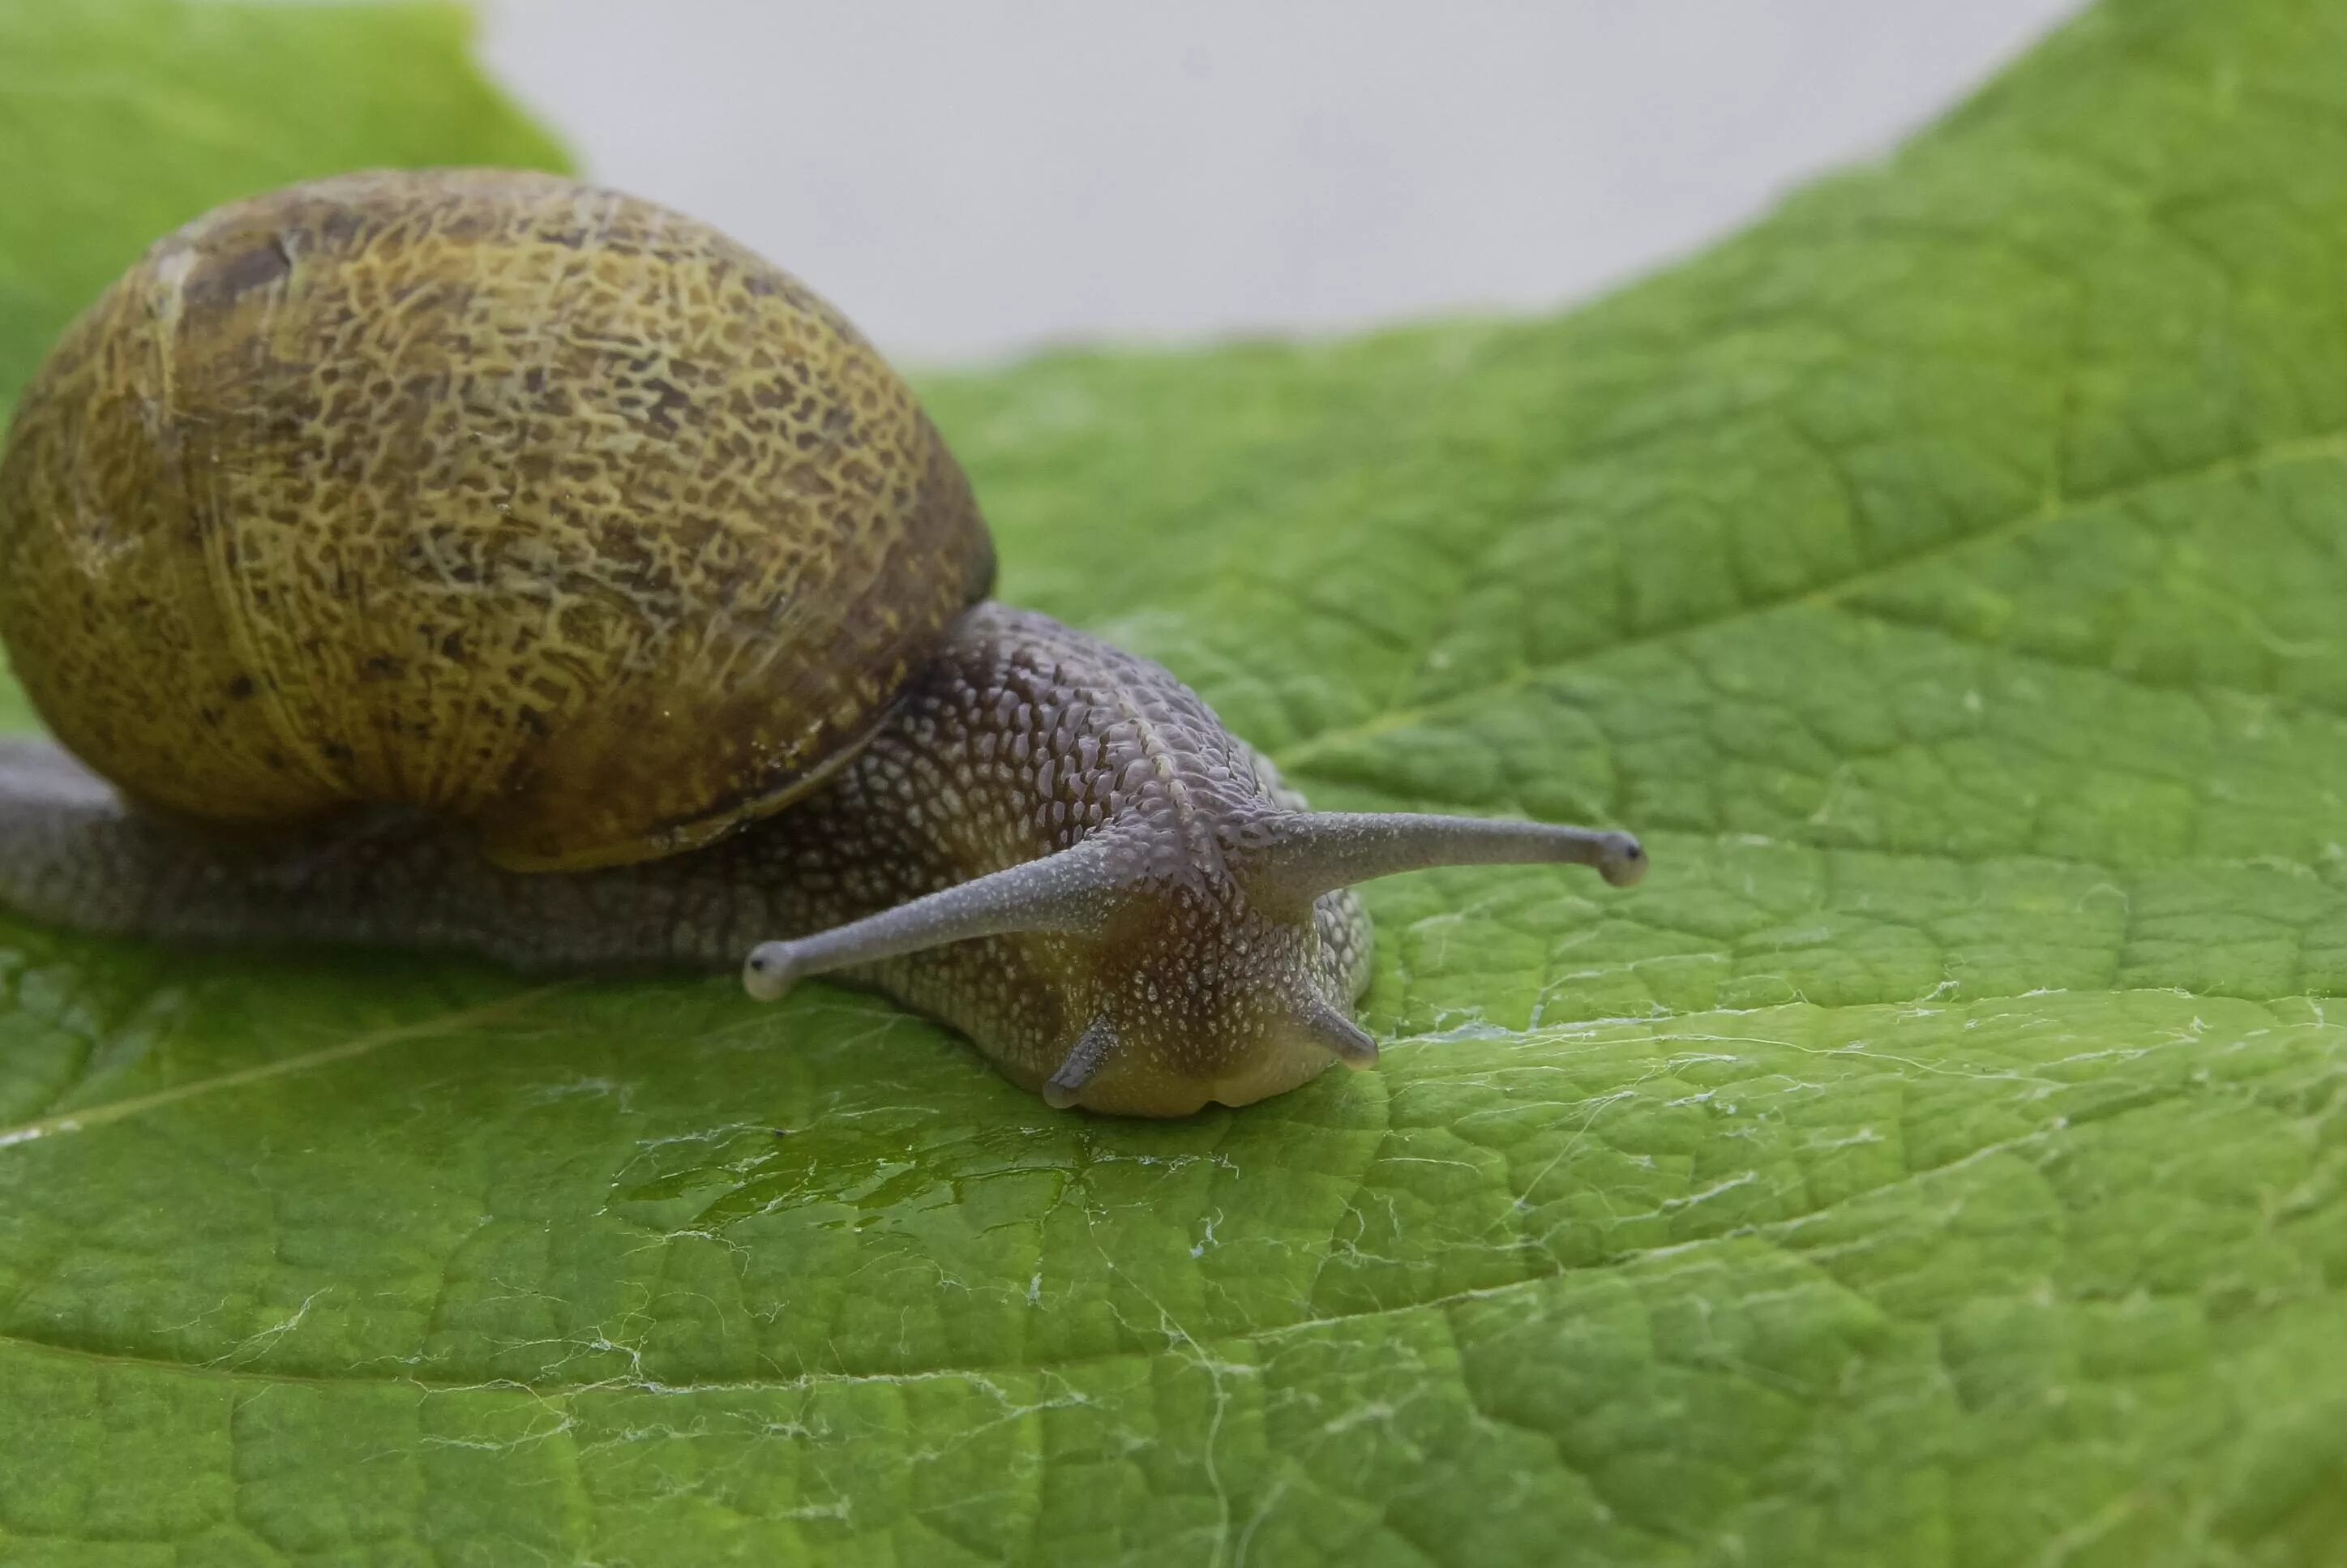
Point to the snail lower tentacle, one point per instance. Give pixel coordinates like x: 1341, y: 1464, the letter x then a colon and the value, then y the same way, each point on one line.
x: 1163, y: 929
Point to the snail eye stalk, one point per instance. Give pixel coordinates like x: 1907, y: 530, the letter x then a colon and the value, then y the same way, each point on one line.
x: 1296, y: 856
x: 1069, y: 891
x: 1305, y: 854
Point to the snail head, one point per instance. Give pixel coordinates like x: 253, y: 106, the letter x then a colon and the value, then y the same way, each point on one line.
x: 1209, y: 965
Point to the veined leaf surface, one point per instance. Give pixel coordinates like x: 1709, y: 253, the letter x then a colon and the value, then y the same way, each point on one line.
x: 1941, y: 1159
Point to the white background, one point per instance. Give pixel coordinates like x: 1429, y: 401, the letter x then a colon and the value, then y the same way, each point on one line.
x: 971, y: 180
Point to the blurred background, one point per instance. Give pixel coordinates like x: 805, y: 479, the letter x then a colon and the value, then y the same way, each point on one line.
x: 970, y: 181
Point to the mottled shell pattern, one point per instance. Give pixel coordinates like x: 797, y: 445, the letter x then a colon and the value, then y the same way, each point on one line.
x: 485, y: 492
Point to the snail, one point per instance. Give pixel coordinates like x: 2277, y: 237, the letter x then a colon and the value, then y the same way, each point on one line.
x: 483, y: 562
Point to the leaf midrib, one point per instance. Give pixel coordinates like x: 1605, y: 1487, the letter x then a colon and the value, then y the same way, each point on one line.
x: 101, y: 1111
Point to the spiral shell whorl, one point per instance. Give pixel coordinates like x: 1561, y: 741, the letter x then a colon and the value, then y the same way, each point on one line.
x: 485, y: 492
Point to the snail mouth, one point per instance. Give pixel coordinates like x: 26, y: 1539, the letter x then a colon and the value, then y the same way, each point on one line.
x: 1290, y: 1052
x: 1159, y: 1095
x: 1276, y: 1073
x: 1310, y: 1047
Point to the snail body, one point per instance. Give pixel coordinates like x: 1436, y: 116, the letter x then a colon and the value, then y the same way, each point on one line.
x: 612, y: 604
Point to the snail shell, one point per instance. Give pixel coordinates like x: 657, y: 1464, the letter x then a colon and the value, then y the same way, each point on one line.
x: 486, y: 492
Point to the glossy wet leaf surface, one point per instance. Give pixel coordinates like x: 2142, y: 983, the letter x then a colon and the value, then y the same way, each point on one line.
x: 1942, y: 1158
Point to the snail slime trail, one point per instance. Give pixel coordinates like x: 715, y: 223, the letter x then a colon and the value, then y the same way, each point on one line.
x: 483, y: 562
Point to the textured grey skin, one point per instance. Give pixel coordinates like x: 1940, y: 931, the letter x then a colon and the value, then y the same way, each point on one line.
x: 1021, y: 739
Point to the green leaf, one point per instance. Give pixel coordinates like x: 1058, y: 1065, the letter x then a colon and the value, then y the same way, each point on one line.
x: 1941, y: 1159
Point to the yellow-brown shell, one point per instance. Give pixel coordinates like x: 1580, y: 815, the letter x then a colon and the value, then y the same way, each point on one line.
x: 486, y: 492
